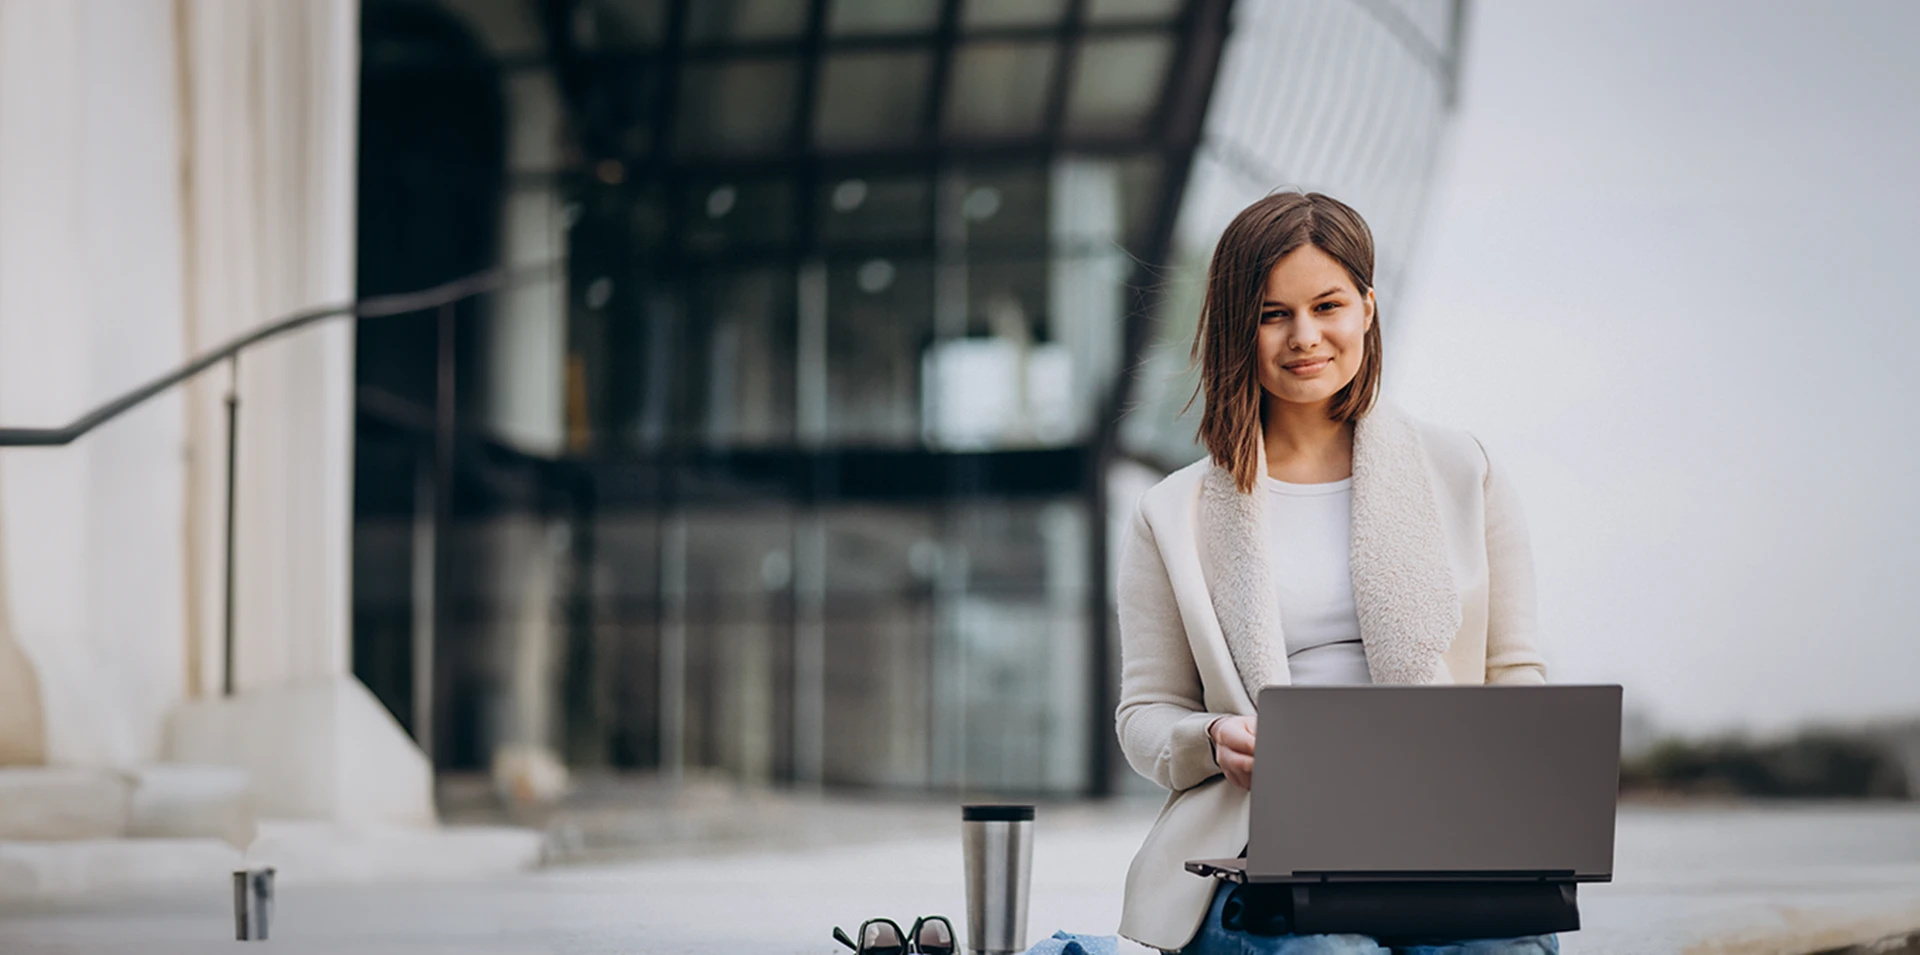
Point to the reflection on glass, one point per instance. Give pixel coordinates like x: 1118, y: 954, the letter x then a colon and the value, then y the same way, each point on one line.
x: 855, y: 207
x: 880, y: 568
x: 999, y: 89
x: 1140, y: 185
x: 626, y: 634
x: 737, y: 106
x: 742, y: 327
x: 723, y: 20
x: 1004, y: 204
x: 852, y: 17
x: 1010, y: 651
x: 1117, y: 83
x: 879, y: 314
x: 618, y: 99
x: 738, y: 574
x: 619, y: 24
x: 998, y: 14
x: 871, y: 99
x: 1007, y: 298
x: 1114, y: 11
x: 719, y: 213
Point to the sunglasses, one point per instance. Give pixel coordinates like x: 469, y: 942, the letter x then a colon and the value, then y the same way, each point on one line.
x: 931, y: 935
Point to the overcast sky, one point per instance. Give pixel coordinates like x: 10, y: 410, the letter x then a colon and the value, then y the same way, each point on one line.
x: 1668, y: 277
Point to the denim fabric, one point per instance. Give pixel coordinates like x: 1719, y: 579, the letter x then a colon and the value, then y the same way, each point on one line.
x: 1215, y: 939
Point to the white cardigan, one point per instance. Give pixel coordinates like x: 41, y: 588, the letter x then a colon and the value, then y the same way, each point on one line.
x: 1442, y: 582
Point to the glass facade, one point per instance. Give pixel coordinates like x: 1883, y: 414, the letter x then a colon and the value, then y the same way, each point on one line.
x: 801, y: 472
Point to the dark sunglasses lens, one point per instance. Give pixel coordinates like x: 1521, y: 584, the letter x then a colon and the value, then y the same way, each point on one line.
x: 936, y: 937
x: 881, y: 938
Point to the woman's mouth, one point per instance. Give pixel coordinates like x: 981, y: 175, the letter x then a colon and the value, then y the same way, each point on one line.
x: 1304, y: 369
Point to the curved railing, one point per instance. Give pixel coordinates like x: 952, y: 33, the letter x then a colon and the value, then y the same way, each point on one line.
x: 442, y: 297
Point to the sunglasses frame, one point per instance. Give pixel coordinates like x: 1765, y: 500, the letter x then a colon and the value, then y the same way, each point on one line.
x: 910, y: 941
x: 839, y: 935
x: 913, y: 938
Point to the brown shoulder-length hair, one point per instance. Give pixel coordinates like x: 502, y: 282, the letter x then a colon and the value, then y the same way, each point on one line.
x: 1225, y: 346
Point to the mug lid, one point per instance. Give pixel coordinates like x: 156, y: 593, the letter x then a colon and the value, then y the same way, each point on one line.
x: 996, y: 813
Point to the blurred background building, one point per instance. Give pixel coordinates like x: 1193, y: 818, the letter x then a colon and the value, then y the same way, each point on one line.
x: 801, y: 467
x: 831, y: 339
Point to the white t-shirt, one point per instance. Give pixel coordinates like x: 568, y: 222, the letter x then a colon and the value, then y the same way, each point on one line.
x: 1311, y: 530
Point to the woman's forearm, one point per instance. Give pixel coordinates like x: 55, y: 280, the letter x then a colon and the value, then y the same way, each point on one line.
x: 1162, y: 720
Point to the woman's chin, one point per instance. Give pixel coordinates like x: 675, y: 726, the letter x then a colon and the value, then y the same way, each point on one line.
x: 1296, y: 394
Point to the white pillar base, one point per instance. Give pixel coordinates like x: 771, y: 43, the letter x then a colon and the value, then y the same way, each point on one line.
x: 323, y: 749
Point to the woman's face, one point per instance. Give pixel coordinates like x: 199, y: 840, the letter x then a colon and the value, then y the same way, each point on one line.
x: 1313, y: 327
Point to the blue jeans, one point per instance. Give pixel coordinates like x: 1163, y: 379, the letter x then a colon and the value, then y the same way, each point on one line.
x: 1216, y: 939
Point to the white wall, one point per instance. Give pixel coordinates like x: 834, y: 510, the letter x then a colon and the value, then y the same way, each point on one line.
x: 90, y: 304
x: 171, y: 175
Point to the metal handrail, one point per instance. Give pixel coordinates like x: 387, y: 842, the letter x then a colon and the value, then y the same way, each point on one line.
x: 380, y: 306
x: 442, y: 297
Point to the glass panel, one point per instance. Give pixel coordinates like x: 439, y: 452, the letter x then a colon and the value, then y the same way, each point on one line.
x: 991, y: 14
x: 1110, y: 11
x: 1010, y: 618
x: 626, y: 551
x: 1117, y: 83
x: 873, y: 207
x: 722, y: 212
x: 999, y: 89
x: 879, y: 316
x: 1140, y: 195
x: 1003, y: 386
x: 871, y: 99
x: 617, y: 103
x: 505, y: 27
x: 852, y: 17
x: 1004, y: 204
x: 742, y: 331
x: 620, y: 24
x: 722, y: 20
x: 739, y: 570
x: 881, y: 564
x: 1007, y: 298
x: 737, y: 106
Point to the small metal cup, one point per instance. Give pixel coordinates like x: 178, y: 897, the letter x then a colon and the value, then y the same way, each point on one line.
x: 252, y: 903
x: 998, y: 844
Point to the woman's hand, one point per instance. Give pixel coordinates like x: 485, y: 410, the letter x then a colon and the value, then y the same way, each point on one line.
x: 1233, y: 748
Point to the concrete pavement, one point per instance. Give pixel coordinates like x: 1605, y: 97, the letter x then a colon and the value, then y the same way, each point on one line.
x: 1712, y: 880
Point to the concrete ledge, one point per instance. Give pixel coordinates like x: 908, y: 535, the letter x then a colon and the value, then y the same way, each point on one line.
x: 192, y: 802
x: 63, y: 803
x: 41, y: 869
x: 304, y: 853
x: 309, y: 852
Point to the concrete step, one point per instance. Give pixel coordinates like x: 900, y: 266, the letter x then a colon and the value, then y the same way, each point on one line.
x: 85, y: 866
x: 49, y: 803
x: 192, y: 802
x: 301, y: 852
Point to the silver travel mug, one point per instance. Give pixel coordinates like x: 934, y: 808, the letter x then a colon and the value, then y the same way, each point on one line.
x: 252, y: 903
x: 998, y: 844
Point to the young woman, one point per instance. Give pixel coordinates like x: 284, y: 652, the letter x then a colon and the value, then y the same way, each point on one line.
x: 1327, y: 538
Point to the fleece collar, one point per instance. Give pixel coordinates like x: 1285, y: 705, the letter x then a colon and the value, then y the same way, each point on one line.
x: 1403, y: 587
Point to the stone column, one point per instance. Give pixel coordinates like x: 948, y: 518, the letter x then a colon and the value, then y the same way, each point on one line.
x: 269, y: 92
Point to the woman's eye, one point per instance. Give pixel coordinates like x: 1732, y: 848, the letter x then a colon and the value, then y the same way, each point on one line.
x: 1329, y: 304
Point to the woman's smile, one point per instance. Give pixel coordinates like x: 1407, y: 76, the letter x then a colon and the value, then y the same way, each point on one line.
x: 1307, y: 369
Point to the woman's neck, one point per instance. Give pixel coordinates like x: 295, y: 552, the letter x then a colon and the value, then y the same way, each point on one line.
x: 1303, y: 445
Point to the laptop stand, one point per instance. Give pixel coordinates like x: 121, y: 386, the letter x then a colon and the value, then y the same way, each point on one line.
x: 1401, y: 910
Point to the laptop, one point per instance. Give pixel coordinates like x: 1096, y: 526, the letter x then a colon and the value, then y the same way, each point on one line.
x: 1438, y: 792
